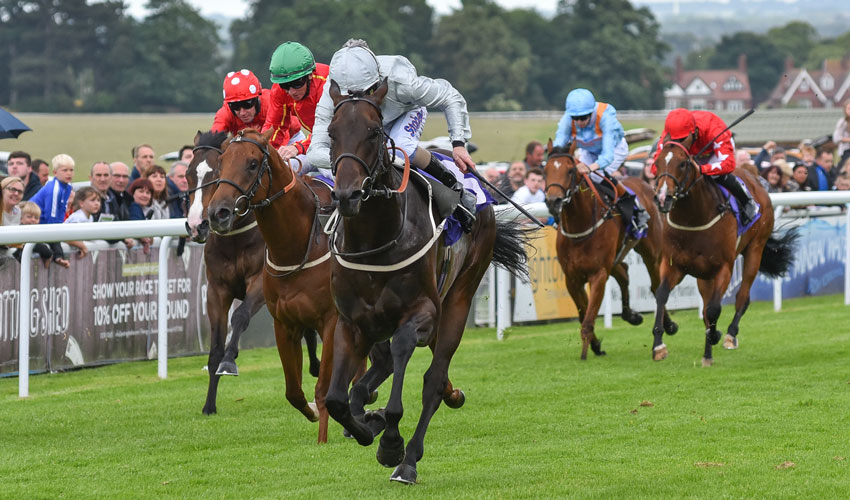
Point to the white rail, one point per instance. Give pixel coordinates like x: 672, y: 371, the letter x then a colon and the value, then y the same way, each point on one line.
x: 48, y: 233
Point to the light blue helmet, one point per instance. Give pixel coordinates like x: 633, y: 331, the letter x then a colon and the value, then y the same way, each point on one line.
x: 580, y: 102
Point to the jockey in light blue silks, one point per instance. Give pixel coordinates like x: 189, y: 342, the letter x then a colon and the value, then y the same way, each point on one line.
x: 355, y: 67
x: 601, y: 144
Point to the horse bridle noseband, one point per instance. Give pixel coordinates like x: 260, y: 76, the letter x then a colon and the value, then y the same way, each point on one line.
x: 574, y: 185
x: 264, y: 169
x: 379, y: 165
x: 681, y: 190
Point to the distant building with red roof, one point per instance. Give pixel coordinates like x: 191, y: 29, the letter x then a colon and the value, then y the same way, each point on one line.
x: 826, y: 87
x: 710, y: 89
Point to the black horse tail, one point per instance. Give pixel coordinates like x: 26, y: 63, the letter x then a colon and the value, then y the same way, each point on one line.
x: 778, y: 254
x: 512, y: 238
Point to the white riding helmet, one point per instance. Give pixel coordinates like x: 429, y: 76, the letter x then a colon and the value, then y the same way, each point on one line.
x: 354, y: 67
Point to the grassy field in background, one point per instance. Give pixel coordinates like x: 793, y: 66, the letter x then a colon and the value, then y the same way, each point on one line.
x: 109, y: 137
x: 769, y: 420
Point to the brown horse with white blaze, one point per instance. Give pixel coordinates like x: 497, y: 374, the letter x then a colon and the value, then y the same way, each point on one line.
x: 592, y: 241
x: 701, y: 239
x: 296, y: 283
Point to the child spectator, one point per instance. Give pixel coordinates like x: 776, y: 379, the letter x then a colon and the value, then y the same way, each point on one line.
x: 52, y: 199
x: 30, y: 213
x: 87, y: 203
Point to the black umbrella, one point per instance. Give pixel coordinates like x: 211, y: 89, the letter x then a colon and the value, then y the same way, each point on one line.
x: 10, y: 127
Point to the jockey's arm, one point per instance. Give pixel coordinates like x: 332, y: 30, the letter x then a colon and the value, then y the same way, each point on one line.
x: 319, y: 152
x: 612, y: 134
x: 562, y: 135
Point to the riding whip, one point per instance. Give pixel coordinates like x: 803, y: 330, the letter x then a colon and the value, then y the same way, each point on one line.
x: 515, y: 204
x: 739, y: 120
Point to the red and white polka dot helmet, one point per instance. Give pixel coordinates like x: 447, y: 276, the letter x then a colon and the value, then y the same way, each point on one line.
x: 240, y: 86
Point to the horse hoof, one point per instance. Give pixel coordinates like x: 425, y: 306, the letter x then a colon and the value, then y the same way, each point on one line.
x: 730, y: 342
x: 311, y: 406
x: 227, y: 368
x: 209, y: 411
x: 391, y: 454
x: 596, y: 347
x: 456, y: 402
x: 373, y: 396
x: 671, y: 328
x: 314, y: 369
x: 404, y: 474
x: 346, y: 434
x: 706, y: 362
x: 376, y: 421
x: 659, y: 353
x: 633, y: 318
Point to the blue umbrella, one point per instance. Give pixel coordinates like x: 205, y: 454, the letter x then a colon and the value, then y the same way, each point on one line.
x: 10, y: 127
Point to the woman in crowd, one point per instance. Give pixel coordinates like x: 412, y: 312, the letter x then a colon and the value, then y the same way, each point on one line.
x: 141, y: 190
x: 162, y: 191
x: 13, y: 192
x: 773, y: 176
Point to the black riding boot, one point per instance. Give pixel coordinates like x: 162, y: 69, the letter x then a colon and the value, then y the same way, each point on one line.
x: 633, y: 214
x: 465, y: 211
x: 747, y: 205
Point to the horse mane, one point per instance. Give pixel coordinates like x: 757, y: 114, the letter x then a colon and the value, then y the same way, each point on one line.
x: 560, y: 149
x: 211, y: 138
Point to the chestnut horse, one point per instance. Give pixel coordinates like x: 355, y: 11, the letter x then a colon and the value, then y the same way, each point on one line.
x: 234, y: 263
x: 393, y: 278
x: 296, y: 283
x: 592, y: 241
x: 701, y: 239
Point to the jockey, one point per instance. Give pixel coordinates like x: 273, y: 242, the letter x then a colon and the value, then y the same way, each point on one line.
x: 299, y: 82
x: 719, y: 161
x: 245, y: 105
x: 356, y: 68
x: 601, y: 144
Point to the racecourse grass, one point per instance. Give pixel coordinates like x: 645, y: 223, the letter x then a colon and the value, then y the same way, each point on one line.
x: 89, y: 138
x: 770, y: 420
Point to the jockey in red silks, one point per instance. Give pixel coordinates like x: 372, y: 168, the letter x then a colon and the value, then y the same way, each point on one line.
x: 246, y: 104
x: 298, y: 83
x: 718, y: 161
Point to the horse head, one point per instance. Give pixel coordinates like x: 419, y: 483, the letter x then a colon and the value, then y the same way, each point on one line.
x: 245, y: 166
x: 561, y: 177
x: 201, y: 174
x: 358, y: 153
x: 676, y: 172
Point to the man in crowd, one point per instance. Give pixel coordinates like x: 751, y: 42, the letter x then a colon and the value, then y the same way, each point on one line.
x: 512, y: 180
x: 533, y: 155
x: 177, y: 174
x: 532, y: 190
x: 42, y: 169
x: 117, y: 201
x: 19, y: 164
x: 100, y: 178
x: 186, y: 154
x: 143, y: 161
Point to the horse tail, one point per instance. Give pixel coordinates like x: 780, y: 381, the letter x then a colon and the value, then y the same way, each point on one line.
x: 509, y: 253
x: 778, y: 254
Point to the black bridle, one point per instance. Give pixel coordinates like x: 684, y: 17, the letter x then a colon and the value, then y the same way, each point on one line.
x: 380, y: 165
x: 264, y: 169
x: 573, y: 186
x: 692, y: 175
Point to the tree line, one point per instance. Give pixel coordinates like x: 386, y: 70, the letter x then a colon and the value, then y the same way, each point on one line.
x: 76, y: 55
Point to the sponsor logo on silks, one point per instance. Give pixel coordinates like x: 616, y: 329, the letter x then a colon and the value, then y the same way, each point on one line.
x: 414, y: 125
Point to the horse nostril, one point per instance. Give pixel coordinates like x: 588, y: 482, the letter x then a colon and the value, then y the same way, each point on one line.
x: 356, y: 195
x: 222, y: 214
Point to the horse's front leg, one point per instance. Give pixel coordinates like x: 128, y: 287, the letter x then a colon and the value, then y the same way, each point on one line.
x: 712, y: 293
x: 218, y: 303
x: 415, y: 330
x: 669, y: 278
x: 620, y: 272
x: 324, y: 373
x: 575, y: 287
x: 594, y: 301
x: 254, y: 300
x: 349, y: 351
x: 288, y: 340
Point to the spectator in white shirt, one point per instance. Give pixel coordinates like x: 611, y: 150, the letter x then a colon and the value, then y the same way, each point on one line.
x: 532, y: 191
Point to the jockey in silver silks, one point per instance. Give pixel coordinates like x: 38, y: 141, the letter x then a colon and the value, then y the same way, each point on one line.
x: 356, y: 68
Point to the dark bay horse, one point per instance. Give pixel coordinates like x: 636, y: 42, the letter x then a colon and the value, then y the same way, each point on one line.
x: 592, y: 242
x: 393, y: 278
x: 701, y: 239
x: 234, y: 266
x: 296, y: 283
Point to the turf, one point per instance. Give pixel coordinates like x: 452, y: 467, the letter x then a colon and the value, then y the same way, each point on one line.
x: 89, y: 138
x: 769, y: 420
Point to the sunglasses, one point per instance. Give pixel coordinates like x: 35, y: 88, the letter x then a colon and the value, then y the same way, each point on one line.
x: 582, y: 117
x: 294, y: 84
x: 14, y: 190
x: 239, y: 105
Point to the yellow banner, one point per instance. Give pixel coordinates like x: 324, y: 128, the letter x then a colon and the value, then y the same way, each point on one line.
x: 551, y: 299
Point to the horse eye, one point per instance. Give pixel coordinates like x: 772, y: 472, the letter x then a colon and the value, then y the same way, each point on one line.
x: 252, y: 165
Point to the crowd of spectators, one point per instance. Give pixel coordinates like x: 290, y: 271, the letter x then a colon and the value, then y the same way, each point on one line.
x: 36, y: 192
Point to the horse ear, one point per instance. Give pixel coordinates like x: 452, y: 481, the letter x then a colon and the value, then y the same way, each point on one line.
x: 549, y: 146
x: 334, y: 92
x: 267, y: 135
x: 572, y: 147
x: 198, y: 137
x: 381, y: 92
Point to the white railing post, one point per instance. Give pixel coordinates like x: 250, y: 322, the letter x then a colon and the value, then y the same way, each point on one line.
x: 847, y: 255
x: 777, y: 283
x: 24, y: 322
x: 607, y: 305
x: 162, y: 309
x: 491, y: 290
x: 503, y: 304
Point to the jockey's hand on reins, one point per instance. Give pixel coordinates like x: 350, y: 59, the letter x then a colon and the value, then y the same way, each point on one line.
x: 582, y: 168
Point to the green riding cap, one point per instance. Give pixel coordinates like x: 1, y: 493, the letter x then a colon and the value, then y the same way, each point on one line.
x: 291, y: 61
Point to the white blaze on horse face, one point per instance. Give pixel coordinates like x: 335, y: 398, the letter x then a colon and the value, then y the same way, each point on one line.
x: 557, y: 165
x: 196, y: 211
x: 668, y: 157
x: 662, y: 194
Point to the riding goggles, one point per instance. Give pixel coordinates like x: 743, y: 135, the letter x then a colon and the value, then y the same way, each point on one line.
x: 294, y: 84
x: 239, y: 105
